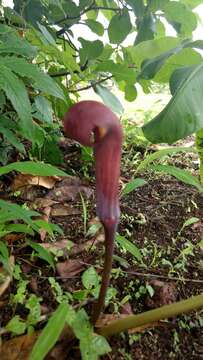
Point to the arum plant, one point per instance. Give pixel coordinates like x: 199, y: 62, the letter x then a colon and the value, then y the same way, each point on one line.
x: 94, y: 124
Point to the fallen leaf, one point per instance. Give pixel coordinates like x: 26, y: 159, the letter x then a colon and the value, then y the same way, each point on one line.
x: 18, y: 348
x: 64, y: 210
x: 41, y: 203
x: 126, y: 309
x: 76, y: 248
x: 69, y: 268
x: 5, y: 277
x: 164, y: 293
x: 69, y: 189
x: 22, y: 180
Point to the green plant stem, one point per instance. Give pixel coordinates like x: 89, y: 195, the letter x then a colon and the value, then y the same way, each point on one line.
x: 164, y: 312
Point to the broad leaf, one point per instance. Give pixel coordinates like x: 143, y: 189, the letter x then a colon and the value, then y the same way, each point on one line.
x: 151, y: 48
x: 40, y: 80
x: 180, y: 17
x: 119, y: 27
x: 32, y: 168
x: 90, y: 49
x: 50, y: 333
x: 11, y: 138
x: 160, y: 154
x: 146, y: 29
x: 16, y: 92
x: 129, y: 246
x: 132, y: 185
x: 130, y: 92
x: 44, y: 109
x: 12, y: 43
x: 109, y: 99
x: 179, y: 174
x: 95, y: 26
x: 183, y: 114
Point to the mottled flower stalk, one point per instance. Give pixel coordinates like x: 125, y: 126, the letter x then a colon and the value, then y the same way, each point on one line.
x: 93, y: 124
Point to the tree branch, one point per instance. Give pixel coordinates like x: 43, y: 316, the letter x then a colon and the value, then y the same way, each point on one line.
x: 92, y: 85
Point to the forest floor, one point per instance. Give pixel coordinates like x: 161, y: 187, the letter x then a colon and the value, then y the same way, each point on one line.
x: 163, y: 219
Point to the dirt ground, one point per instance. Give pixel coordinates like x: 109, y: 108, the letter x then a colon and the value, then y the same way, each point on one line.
x: 153, y: 218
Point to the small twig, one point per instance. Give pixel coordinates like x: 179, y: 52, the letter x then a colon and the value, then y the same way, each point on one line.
x: 93, y: 84
x: 164, y: 277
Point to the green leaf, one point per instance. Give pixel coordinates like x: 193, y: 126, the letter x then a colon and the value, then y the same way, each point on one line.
x: 42, y: 253
x: 11, y: 138
x: 10, y: 212
x: 181, y: 59
x: 157, y: 155
x: 130, y: 92
x: 93, y: 347
x: 179, y: 174
x: 46, y: 34
x: 4, y: 250
x: 16, y: 92
x: 32, y: 168
x: 40, y: 80
x: 44, y: 108
x: 133, y: 185
x: 90, y: 49
x: 90, y: 278
x: 119, y: 27
x: 146, y: 29
x: 95, y: 26
x: 129, y: 246
x: 50, y: 333
x: 189, y: 222
x: 151, y: 48
x: 120, y: 71
x: 11, y: 42
x: 109, y: 99
x: 137, y: 6
x: 16, y: 325
x: 19, y: 228
x: 183, y: 114
x: 180, y: 17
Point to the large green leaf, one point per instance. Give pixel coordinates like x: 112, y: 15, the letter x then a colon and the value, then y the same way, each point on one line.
x: 90, y: 49
x: 40, y: 80
x: 32, y: 168
x: 146, y: 29
x: 95, y: 26
x: 179, y: 174
x: 180, y: 17
x: 16, y: 92
x: 50, y: 333
x: 11, y: 42
x: 109, y: 99
x: 183, y: 114
x: 151, y: 48
x: 119, y: 71
x: 119, y: 27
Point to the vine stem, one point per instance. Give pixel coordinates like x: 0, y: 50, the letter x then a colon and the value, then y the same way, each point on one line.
x: 164, y: 312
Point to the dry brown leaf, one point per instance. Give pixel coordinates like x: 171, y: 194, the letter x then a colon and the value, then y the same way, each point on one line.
x: 6, y: 277
x: 10, y: 238
x: 41, y: 203
x: 18, y: 348
x: 68, y: 269
x: 165, y: 293
x: 64, y: 210
x: 22, y: 180
x: 76, y: 248
x: 69, y: 189
x: 126, y: 309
